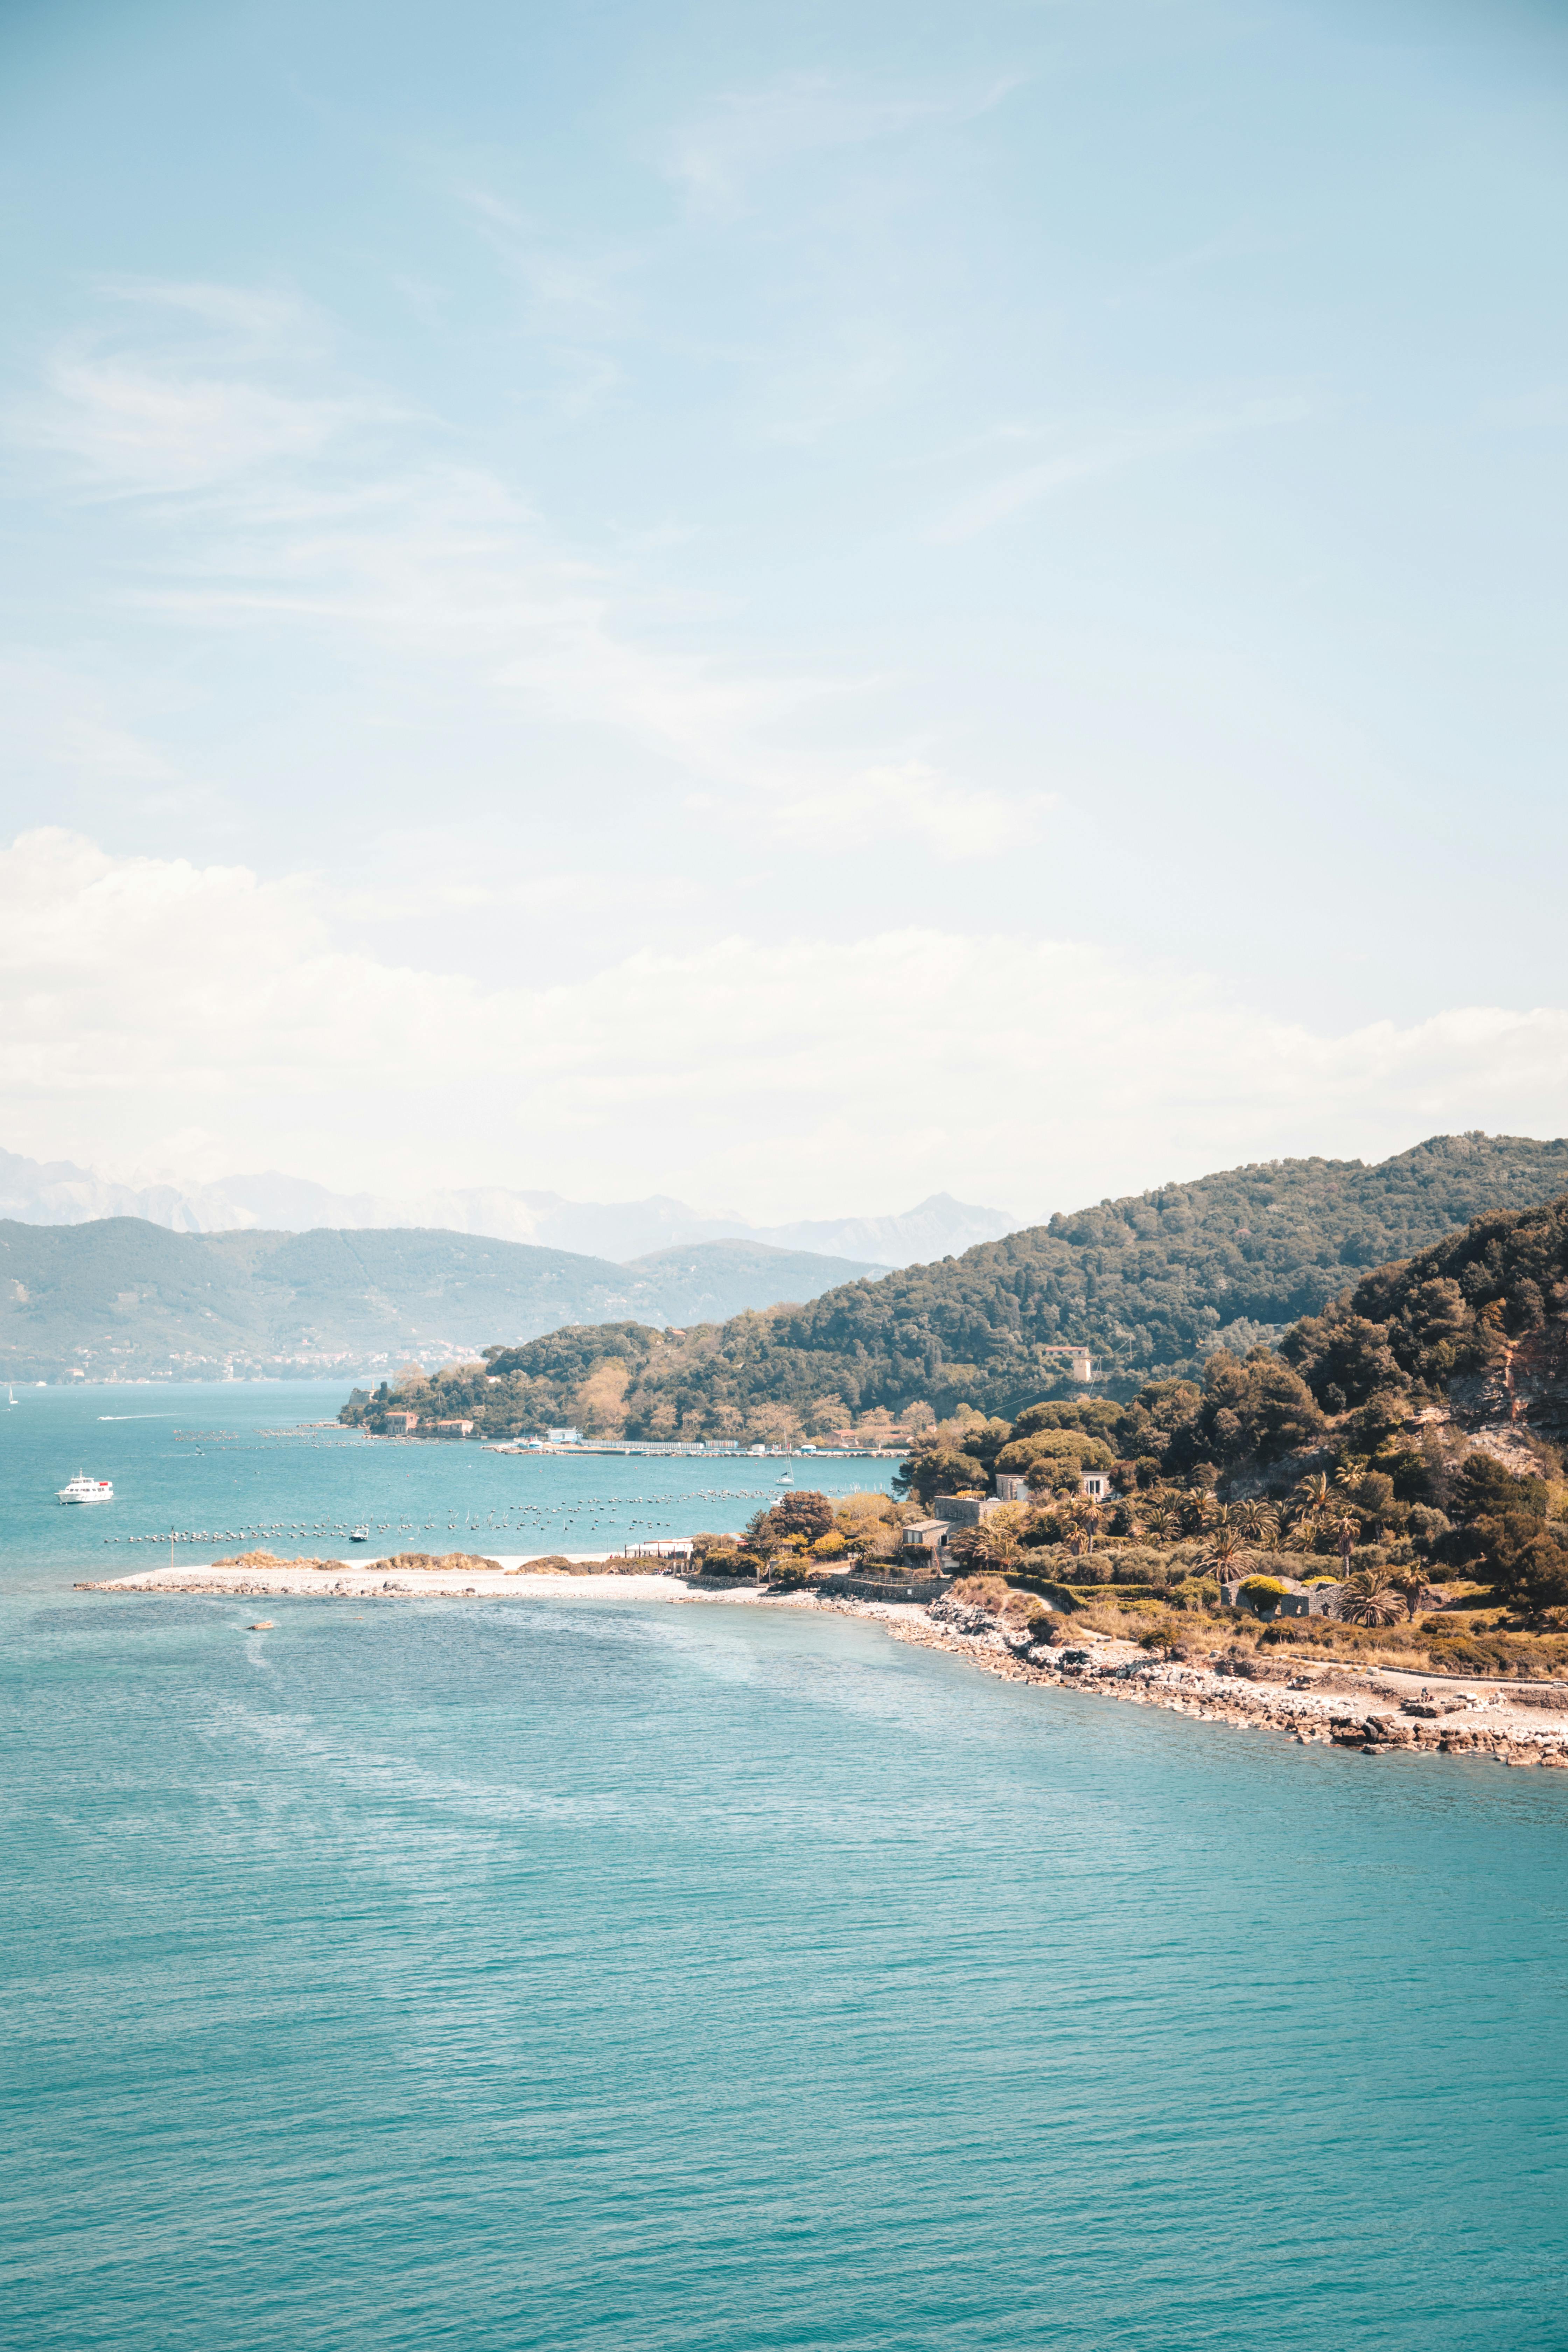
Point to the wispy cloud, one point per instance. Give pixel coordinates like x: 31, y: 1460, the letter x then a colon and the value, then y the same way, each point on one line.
x: 741, y: 135
x: 58, y: 725
x: 1097, y: 458
x: 587, y: 290
x: 130, y: 430
x: 258, y: 316
x: 306, y: 506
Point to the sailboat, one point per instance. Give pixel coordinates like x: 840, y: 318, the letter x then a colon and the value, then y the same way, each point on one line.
x: 786, y: 1478
x: 10, y: 1396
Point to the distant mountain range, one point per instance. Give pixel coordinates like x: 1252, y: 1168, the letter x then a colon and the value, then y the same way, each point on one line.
x: 57, y: 1192
x: 121, y: 1296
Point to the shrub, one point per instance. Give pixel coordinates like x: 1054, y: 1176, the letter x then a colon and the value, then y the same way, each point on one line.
x: 1055, y: 1456
x: 988, y: 1592
x: 1427, y: 1525
x: 868, y: 1522
x: 1541, y: 1574
x: 792, y: 1572
x: 1262, y: 1588
x: 726, y: 1561
x: 1134, y: 1564
x: 806, y: 1514
x: 1164, y: 1632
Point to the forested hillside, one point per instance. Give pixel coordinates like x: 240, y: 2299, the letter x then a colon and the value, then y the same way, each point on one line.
x: 1415, y: 1428
x: 1151, y: 1284
x: 121, y: 1296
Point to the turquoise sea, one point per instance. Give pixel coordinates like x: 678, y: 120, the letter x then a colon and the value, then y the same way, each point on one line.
x: 598, y: 1972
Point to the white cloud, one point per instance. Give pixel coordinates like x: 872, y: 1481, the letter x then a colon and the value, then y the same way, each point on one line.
x: 143, y: 999
x: 261, y: 317
x: 1110, y: 454
x: 320, y: 510
x: 909, y: 797
x: 60, y: 724
x: 742, y: 133
x: 384, y: 540
x: 131, y: 428
x: 569, y: 286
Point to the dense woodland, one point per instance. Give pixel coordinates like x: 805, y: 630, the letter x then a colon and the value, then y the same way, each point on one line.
x: 1429, y: 1544
x: 1152, y: 1285
x: 1433, y: 1548
x: 1344, y: 1454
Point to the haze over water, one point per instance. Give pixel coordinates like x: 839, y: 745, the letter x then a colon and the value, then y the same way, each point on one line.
x: 598, y: 1972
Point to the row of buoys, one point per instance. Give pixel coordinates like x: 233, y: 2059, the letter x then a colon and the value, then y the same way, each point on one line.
x: 574, y: 1514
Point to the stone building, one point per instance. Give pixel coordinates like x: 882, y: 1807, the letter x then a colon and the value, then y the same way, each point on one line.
x: 965, y: 1510
x: 1295, y: 1601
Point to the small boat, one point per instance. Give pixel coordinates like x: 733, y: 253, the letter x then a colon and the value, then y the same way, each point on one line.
x: 83, y: 1489
x: 786, y: 1478
x: 359, y: 1535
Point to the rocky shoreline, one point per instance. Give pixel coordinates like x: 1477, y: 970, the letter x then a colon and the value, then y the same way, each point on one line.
x: 1332, y: 1705
x: 1374, y: 1713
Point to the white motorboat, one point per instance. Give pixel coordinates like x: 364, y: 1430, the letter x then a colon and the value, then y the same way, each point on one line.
x: 359, y: 1535
x: 83, y: 1489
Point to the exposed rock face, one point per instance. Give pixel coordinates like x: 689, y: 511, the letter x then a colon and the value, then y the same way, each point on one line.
x: 1523, y: 1395
x: 1535, y: 1379
x: 962, y: 1617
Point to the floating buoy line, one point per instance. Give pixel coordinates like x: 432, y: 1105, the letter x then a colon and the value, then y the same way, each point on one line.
x: 587, y: 1516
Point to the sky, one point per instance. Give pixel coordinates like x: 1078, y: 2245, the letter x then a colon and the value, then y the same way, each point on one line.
x: 794, y: 605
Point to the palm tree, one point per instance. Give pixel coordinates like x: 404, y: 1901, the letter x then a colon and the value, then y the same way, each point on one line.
x: 993, y: 1547
x: 1198, y: 1511
x: 1158, y: 1516
x: 1088, y: 1519
x: 1224, y: 1547
x: 1346, y: 1530
x: 1315, y: 1495
x: 1369, y: 1599
x: 1259, y: 1520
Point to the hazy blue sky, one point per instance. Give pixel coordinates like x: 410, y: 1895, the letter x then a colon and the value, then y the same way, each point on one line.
x: 788, y: 603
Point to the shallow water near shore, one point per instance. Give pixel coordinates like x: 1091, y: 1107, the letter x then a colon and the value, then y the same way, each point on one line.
x: 595, y: 1972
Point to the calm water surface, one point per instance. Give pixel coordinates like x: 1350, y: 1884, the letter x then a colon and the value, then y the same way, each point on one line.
x: 601, y: 1973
